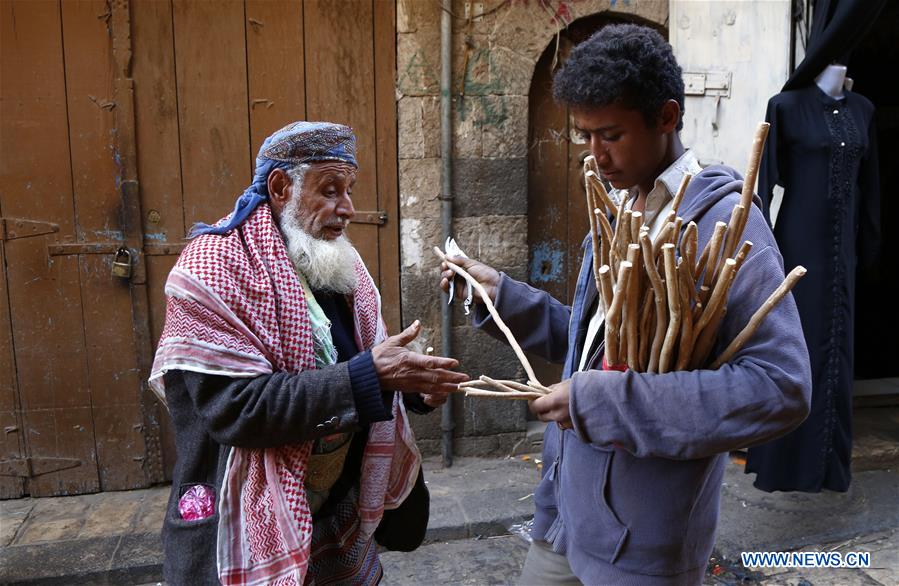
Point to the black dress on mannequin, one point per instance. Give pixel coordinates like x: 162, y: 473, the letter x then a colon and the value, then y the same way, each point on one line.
x: 821, y: 151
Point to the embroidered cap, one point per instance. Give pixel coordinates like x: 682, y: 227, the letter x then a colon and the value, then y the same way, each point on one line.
x: 295, y: 144
x: 308, y: 142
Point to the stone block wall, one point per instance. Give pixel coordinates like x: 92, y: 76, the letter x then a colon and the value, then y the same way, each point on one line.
x: 496, y: 45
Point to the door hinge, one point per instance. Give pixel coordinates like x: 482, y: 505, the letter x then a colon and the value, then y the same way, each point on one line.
x: 707, y: 83
x: 12, y: 228
x: 30, y: 467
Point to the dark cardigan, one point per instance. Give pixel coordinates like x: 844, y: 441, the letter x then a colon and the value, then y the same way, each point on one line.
x: 210, y: 414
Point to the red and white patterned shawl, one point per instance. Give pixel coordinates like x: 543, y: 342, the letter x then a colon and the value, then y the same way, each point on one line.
x: 236, y: 308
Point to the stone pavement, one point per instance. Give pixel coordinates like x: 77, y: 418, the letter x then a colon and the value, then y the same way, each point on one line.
x: 113, y: 538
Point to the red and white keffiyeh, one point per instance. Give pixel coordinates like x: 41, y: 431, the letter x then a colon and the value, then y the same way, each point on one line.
x: 236, y: 308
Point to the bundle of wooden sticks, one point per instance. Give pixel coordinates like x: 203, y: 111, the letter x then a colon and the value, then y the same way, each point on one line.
x: 663, y: 299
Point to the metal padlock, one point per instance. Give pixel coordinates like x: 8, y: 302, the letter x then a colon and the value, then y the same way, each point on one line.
x: 121, y: 265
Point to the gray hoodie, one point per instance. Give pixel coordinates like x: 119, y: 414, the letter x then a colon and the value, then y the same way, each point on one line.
x: 634, y: 487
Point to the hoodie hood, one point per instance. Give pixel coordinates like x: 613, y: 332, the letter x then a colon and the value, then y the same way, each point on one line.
x: 707, y: 188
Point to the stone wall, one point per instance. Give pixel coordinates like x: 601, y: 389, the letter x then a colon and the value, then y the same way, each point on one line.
x: 494, y: 55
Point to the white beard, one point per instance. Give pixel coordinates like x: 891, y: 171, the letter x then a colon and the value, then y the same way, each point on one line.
x: 328, y: 265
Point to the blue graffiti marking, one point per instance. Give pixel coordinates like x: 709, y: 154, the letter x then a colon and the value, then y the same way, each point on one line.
x: 547, y: 262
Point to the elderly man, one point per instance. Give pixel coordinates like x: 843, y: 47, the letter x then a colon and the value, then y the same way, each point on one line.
x: 293, y: 456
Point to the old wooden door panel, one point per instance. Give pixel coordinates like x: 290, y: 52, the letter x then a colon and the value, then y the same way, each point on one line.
x: 211, y: 68
x: 158, y: 161
x: 45, y: 297
x: 12, y: 446
x: 387, y: 168
x: 158, y: 268
x: 156, y: 119
x: 275, y: 60
x: 113, y: 375
x: 548, y: 228
x: 340, y: 88
x: 556, y: 215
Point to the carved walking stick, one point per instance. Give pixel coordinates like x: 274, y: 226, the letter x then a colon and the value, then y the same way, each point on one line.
x: 499, y: 321
x: 756, y: 320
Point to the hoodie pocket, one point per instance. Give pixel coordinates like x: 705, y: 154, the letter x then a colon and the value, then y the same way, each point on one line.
x: 591, y: 522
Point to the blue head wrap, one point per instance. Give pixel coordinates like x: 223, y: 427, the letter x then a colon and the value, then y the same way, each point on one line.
x: 295, y: 144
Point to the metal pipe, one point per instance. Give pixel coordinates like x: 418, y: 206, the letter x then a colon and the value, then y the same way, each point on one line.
x: 447, y: 419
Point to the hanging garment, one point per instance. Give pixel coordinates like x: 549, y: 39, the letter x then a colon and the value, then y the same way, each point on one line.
x: 821, y: 151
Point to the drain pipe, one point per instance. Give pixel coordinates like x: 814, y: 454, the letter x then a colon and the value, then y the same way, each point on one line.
x: 447, y: 419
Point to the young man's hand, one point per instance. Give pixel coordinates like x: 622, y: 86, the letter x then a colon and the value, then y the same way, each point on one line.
x: 554, y: 406
x: 401, y: 369
x: 487, y: 276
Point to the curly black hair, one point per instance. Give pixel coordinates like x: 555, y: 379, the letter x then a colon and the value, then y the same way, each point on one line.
x: 628, y: 64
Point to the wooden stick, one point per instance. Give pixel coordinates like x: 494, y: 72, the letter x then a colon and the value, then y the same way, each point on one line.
x: 613, y: 318
x: 624, y: 233
x: 735, y: 231
x: 719, y: 294
x: 674, y: 238
x: 605, y: 230
x: 756, y: 320
x: 605, y: 277
x: 688, y: 248
x: 636, y: 225
x: 742, y: 254
x: 647, y: 312
x: 505, y: 386
x: 686, y: 290
x: 705, y: 342
x: 697, y: 312
x: 632, y: 320
x: 704, y: 292
x: 718, y: 264
x: 601, y: 192
x: 706, y: 331
x: 513, y: 384
x: 688, y: 252
x: 516, y: 396
x: 594, y: 232
x: 674, y: 321
x: 660, y: 303
x: 615, y: 258
x: 496, y: 318
x: 703, y: 259
x: 662, y: 238
x: 680, y: 192
x: 715, y: 244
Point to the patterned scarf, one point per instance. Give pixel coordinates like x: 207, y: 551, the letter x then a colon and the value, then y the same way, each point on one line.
x: 236, y: 308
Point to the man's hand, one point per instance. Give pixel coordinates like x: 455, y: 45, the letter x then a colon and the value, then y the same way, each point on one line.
x: 401, y: 369
x: 483, y: 274
x: 554, y: 406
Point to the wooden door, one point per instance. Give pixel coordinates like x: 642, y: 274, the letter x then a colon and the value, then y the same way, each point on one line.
x: 69, y: 364
x: 557, y: 206
x: 210, y: 81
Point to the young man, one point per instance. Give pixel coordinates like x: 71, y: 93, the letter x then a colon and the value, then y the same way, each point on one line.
x: 633, y: 461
